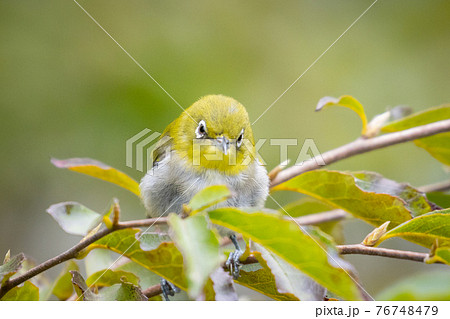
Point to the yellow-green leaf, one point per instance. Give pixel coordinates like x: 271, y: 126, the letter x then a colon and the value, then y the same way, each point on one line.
x: 425, y: 229
x: 27, y: 292
x: 108, y: 277
x: 63, y: 288
x: 348, y: 102
x: 99, y: 170
x: 262, y: 281
x: 364, y: 195
x: 288, y: 279
x: 285, y: 239
x: 166, y: 260
x: 208, y: 197
x: 124, y: 291
x: 441, y: 255
x: 437, y: 145
x: 427, y: 116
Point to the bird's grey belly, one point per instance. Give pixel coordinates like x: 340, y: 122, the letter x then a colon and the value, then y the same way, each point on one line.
x: 168, y: 186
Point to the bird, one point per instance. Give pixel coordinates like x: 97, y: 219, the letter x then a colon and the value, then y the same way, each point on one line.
x: 210, y: 143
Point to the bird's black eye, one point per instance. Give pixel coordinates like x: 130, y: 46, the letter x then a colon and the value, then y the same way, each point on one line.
x: 201, y: 129
x: 240, y: 138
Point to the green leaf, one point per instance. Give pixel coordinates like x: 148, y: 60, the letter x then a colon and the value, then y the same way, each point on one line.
x: 357, y: 195
x: 415, y: 201
x: 208, y: 197
x: 166, y: 260
x: 63, y: 288
x: 150, y: 241
x: 428, y: 116
x: 285, y: 239
x: 263, y: 281
x: 108, y: 277
x: 427, y: 286
x: 99, y: 170
x: 10, y: 267
x: 290, y: 280
x: 199, y: 246
x: 74, y: 218
x: 123, y: 291
x: 348, y: 102
x: 28, y: 292
x: 98, y: 259
x: 425, y: 229
x: 41, y: 281
x: 439, y: 198
x: 441, y: 255
x: 438, y: 145
x: 146, y: 277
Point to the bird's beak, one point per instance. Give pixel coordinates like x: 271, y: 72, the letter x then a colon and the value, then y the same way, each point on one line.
x: 224, y: 144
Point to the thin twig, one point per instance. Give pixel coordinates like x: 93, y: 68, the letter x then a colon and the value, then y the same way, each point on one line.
x: 343, y: 250
x: 319, y: 218
x: 72, y: 253
x: 357, y: 147
x: 438, y: 187
x: 384, y: 252
x: 362, y: 146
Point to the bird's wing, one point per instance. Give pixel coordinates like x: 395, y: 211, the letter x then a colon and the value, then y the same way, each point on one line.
x: 163, y: 146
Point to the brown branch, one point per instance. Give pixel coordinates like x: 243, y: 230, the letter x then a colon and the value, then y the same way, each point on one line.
x: 319, y: 218
x: 343, y: 250
x: 438, y: 187
x: 73, y: 252
x: 153, y: 291
x: 384, y: 252
x: 357, y: 147
x: 362, y: 146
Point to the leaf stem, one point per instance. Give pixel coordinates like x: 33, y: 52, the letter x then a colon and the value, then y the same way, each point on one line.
x: 360, y: 146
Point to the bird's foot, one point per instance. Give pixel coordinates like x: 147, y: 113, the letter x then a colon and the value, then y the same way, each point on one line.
x: 168, y: 289
x: 233, y: 263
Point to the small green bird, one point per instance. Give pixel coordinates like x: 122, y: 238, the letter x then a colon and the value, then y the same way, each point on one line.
x: 211, y: 143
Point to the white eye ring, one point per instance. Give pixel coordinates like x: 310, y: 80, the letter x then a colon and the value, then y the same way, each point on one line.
x: 200, y: 131
x: 240, y: 138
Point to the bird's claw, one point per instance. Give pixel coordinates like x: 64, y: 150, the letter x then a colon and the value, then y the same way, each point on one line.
x: 168, y: 289
x: 233, y: 263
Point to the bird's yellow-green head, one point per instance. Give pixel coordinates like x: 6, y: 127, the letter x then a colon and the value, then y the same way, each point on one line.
x: 214, y: 133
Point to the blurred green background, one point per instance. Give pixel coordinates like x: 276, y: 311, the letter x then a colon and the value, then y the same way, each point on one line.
x: 67, y: 90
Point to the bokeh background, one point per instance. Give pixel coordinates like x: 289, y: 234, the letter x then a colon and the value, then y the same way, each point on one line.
x: 67, y: 90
